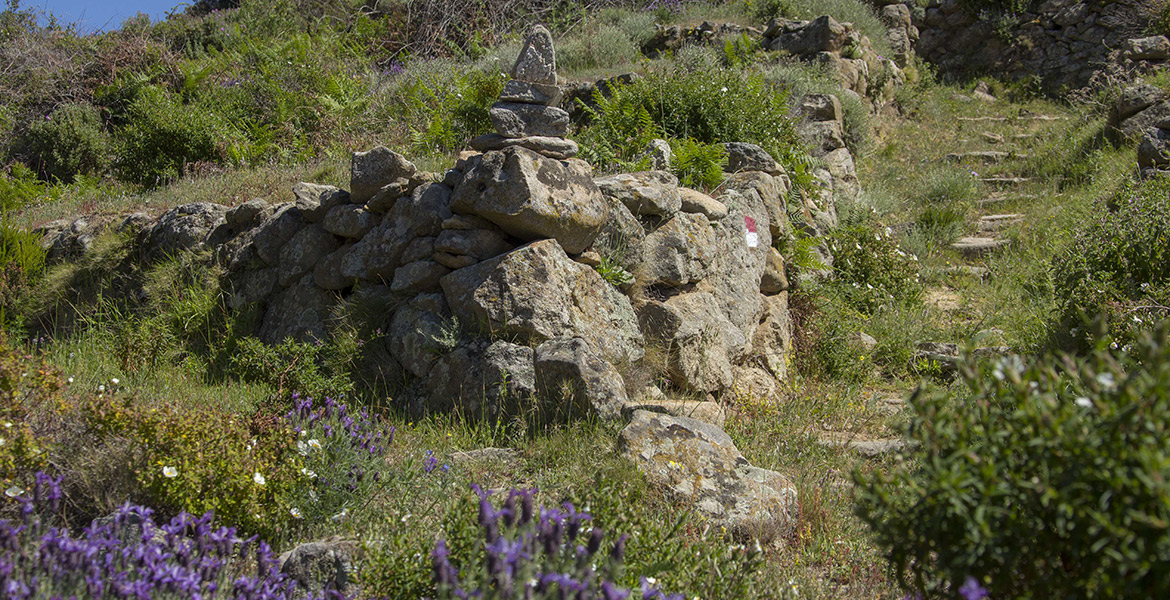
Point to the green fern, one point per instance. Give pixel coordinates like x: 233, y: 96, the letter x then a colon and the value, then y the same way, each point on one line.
x: 698, y: 165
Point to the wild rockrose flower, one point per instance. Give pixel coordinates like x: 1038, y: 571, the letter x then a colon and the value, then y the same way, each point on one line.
x: 259, y: 478
x: 170, y: 472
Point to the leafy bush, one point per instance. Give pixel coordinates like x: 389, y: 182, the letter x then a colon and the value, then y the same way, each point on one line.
x: 1117, y: 268
x: 445, y: 106
x: 130, y: 556
x: 802, y: 78
x: 696, y: 164
x: 67, y: 143
x: 871, y: 269
x: 1049, y: 481
x: 163, y: 136
x: 27, y: 386
x: 695, y: 98
x: 290, y: 366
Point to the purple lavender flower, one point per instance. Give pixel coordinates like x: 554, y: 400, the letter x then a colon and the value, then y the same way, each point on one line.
x: 972, y: 590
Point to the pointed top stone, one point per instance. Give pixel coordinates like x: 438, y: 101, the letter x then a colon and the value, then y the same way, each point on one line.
x: 537, y: 62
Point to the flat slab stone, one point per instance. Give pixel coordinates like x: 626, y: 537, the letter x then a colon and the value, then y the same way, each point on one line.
x: 527, y: 92
x: 998, y: 222
x: 516, y: 120
x: 975, y: 246
x: 552, y: 147
x: 987, y: 156
x: 868, y: 448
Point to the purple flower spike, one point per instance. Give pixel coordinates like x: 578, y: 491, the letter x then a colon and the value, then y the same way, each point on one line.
x: 972, y: 590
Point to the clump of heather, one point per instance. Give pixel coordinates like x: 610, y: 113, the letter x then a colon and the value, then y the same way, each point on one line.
x: 531, y: 552
x: 128, y: 555
x: 341, y: 454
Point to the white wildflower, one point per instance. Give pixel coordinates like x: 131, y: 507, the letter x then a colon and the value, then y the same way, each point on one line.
x: 1106, y: 380
x: 170, y: 472
x: 1084, y: 402
x: 258, y: 478
x: 13, y: 491
x: 295, y: 512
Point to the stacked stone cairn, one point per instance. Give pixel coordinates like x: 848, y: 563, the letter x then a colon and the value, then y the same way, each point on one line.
x: 527, y: 114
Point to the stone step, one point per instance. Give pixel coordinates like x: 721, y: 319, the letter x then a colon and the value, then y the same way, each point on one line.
x: 1005, y: 181
x: 986, y: 156
x: 868, y: 448
x: 978, y: 246
x: 991, y: 223
x: 1019, y: 118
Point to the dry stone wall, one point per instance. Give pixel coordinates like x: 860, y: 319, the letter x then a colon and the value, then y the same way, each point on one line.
x: 1065, y: 43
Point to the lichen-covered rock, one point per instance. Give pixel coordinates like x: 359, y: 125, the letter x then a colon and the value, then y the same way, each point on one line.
x: 185, y: 228
x: 418, y: 334
x: 516, y: 120
x: 694, y: 201
x: 750, y: 157
x: 701, y: 343
x: 317, y: 566
x: 774, y: 279
x: 245, y: 215
x: 531, y: 93
x: 275, y: 231
x: 772, y: 342
x: 698, y: 464
x: 534, y: 197
x: 418, y: 276
x: 537, y: 292
x: 478, y: 243
x: 349, y: 221
x: 303, y: 251
x: 1154, y: 151
x: 803, y: 38
x: 702, y: 410
x: 552, y: 147
x: 315, y: 201
x: 679, y: 252
x: 298, y: 312
x: 575, y: 382
x: 644, y: 193
x: 370, y: 171
x: 537, y: 61
x: 621, y: 238
x: 380, y: 251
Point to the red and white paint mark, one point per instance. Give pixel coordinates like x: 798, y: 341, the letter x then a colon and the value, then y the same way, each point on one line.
x: 753, y: 238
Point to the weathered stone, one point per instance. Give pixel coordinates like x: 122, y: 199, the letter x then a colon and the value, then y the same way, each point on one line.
x: 418, y: 276
x: 679, y: 252
x: 298, y: 312
x: 276, y: 231
x: 349, y: 221
x: 823, y: 34
x: 978, y: 246
x: 750, y: 157
x: 380, y: 251
x: 515, y: 120
x: 339, y: 270
x: 1154, y: 150
x: 533, y: 197
x: 253, y: 287
x: 137, y: 222
x: 464, y: 222
x: 761, y: 189
x: 580, y: 383
x: 314, y: 200
x: 660, y: 155
x: 417, y: 337
x: 1131, y: 130
x: 694, y: 201
x: 861, y: 341
x: 1155, y: 47
x: 370, y: 171
x: 184, y: 228
x: 698, y: 465
x: 552, y: 147
x: 699, y: 340
x: 734, y: 276
x: 480, y: 243
x: 644, y: 193
x: 621, y: 238
x: 707, y: 412
x: 531, y: 93
x: 303, y: 251
x: 774, y: 280
x: 245, y: 215
x: 537, y: 293
x: 509, y: 375
x: 454, y: 262
x: 1135, y: 99
x: 824, y: 136
x: 420, y: 248
x: 821, y: 107
x: 773, y: 338
x: 318, y: 566
x: 753, y: 383
x: 537, y: 61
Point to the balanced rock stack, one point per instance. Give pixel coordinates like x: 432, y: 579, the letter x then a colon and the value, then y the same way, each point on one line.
x: 526, y: 114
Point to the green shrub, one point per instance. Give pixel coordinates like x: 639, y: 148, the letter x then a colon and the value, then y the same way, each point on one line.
x: 163, y: 136
x: 605, y: 48
x: 22, y: 263
x: 19, y: 187
x: 937, y: 226
x: 697, y: 165
x: 693, y: 97
x: 446, y: 107
x: 1117, y: 268
x: 871, y: 270
x: 67, y: 143
x: 290, y: 367
x: 803, y: 78
x: 1048, y: 481
x: 1160, y: 18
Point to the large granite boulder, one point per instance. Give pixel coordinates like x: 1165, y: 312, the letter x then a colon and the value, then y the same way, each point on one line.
x: 186, y: 228
x: 679, y: 252
x: 700, y: 342
x: 537, y: 292
x: 371, y: 171
x: 534, y: 197
x: 652, y: 193
x: 570, y: 374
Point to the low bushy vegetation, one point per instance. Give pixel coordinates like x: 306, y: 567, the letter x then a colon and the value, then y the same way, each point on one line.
x: 1114, y: 279
x: 1041, y: 480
